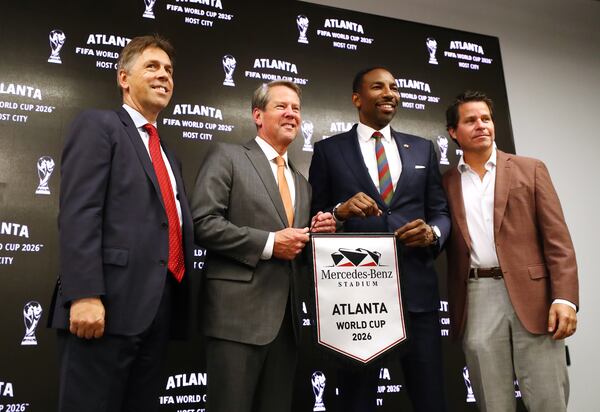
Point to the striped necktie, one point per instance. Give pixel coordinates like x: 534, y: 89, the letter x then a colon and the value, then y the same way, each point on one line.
x: 386, y: 189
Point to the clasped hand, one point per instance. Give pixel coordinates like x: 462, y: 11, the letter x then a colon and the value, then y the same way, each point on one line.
x: 289, y: 242
x: 415, y: 234
x: 87, y: 318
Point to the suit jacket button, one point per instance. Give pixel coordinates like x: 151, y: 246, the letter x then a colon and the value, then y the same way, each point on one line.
x: 164, y: 225
x: 162, y: 262
x: 389, y: 212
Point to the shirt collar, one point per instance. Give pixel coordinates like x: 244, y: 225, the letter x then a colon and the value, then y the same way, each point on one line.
x: 138, y: 119
x: 365, y: 132
x: 269, y: 151
x: 490, y: 164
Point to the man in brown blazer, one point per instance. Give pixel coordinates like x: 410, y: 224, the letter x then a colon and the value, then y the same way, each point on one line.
x: 512, y: 274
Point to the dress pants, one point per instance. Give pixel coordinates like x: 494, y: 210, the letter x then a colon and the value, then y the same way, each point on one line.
x: 115, y: 373
x: 421, y: 364
x: 252, y: 378
x: 498, y: 348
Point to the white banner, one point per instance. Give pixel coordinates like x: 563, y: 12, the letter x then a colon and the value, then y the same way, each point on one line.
x: 357, y: 294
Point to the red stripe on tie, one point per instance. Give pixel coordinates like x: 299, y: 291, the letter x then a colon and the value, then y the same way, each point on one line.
x: 384, y: 170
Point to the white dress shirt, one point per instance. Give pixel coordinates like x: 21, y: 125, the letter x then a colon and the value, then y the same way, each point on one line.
x: 139, y: 121
x: 367, y: 148
x: 271, y: 155
x: 478, y: 199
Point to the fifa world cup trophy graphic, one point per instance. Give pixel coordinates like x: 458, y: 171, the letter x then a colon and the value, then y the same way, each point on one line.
x: 149, y: 12
x: 431, y: 44
x: 318, y: 385
x: 45, y: 167
x: 307, y: 133
x: 229, y: 64
x: 57, y: 40
x: 32, y: 313
x: 470, y: 395
x: 302, y: 22
x: 442, y: 142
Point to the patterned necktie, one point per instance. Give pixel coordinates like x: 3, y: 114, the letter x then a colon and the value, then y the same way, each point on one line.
x: 386, y: 189
x: 284, y: 190
x: 176, y: 263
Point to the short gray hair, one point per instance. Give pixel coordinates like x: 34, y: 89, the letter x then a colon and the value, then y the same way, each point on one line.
x: 260, y: 98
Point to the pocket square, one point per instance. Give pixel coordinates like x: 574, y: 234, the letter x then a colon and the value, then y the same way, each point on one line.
x: 419, y: 167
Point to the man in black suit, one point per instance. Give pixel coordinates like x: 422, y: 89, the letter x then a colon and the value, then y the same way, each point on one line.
x: 375, y: 179
x: 125, y: 234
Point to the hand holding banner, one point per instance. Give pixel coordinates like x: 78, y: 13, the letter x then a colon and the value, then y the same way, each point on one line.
x: 357, y: 294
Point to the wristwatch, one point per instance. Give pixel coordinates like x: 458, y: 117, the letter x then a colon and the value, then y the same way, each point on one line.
x: 435, y: 231
x: 333, y: 212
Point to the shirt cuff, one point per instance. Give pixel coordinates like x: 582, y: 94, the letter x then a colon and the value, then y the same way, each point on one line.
x: 566, y: 302
x: 267, y: 252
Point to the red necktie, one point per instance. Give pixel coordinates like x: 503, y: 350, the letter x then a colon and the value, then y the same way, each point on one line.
x: 176, y: 264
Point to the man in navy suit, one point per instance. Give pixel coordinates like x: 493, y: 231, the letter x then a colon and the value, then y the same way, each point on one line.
x: 375, y: 179
x: 125, y: 234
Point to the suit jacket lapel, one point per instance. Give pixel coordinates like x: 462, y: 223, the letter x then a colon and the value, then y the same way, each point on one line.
x: 140, y: 149
x: 408, y: 165
x: 350, y: 151
x: 263, y: 169
x: 457, y: 204
x: 503, y: 176
x: 301, y: 198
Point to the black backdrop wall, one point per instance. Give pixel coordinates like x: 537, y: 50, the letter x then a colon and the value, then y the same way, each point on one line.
x: 57, y: 58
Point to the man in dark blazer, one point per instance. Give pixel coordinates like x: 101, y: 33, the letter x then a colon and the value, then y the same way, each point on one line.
x: 251, y: 210
x: 125, y: 234
x: 401, y: 194
x: 512, y: 274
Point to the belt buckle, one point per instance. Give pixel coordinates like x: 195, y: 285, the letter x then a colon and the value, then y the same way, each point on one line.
x: 497, y: 274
